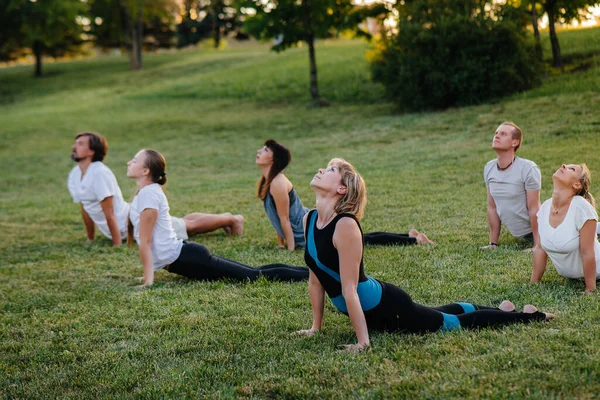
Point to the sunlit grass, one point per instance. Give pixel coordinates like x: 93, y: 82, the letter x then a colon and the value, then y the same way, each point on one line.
x: 71, y: 325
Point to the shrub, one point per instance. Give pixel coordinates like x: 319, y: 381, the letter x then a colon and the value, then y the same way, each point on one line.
x: 449, y: 53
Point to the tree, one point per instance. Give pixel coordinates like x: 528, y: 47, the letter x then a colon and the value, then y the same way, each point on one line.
x: 290, y: 22
x: 448, y: 53
x: 127, y: 22
x: 204, y: 18
x: 49, y: 26
x: 533, y: 9
x: 565, y: 11
x: 536, y: 31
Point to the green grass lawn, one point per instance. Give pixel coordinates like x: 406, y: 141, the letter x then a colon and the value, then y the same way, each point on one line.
x: 72, y: 325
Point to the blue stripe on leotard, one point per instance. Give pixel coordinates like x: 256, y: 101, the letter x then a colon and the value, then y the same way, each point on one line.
x: 451, y: 323
x: 369, y: 292
x: 467, y: 307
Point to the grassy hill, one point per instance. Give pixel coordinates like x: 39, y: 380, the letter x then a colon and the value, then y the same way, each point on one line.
x: 72, y: 326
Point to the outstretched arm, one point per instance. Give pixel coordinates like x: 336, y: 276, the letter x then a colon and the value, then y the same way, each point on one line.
x: 111, y: 220
x: 533, y: 206
x: 347, y: 239
x: 280, y: 195
x: 90, y: 228
x: 148, y: 218
x: 493, y: 219
x: 587, y: 239
x: 317, y: 301
x: 540, y: 260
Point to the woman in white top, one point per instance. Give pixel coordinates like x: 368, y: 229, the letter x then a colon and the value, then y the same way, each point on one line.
x: 158, y: 244
x: 567, y: 228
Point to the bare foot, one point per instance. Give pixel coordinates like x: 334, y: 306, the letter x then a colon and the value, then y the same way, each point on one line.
x: 507, y: 306
x: 227, y: 228
x: 237, y: 228
x: 529, y: 309
x: 422, y: 239
x: 413, y: 233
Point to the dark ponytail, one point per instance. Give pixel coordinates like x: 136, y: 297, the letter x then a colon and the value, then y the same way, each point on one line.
x: 281, y: 159
x: 130, y: 238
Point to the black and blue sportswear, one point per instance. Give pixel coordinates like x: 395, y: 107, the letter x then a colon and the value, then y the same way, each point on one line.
x: 387, y: 307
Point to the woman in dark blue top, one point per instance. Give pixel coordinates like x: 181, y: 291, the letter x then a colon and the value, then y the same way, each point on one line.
x: 334, y: 254
x: 285, y: 210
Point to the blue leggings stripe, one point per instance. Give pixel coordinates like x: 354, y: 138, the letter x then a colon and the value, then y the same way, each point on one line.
x: 467, y: 307
x: 451, y: 323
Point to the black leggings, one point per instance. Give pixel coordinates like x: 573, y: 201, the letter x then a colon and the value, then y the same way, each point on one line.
x: 397, y: 312
x: 388, y: 239
x: 197, y: 262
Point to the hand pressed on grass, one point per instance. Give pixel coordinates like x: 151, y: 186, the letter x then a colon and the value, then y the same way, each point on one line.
x: 306, y: 332
x: 354, y: 348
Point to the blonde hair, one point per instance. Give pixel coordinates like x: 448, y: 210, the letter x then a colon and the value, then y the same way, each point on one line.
x: 355, y: 199
x: 517, y: 133
x: 586, y: 181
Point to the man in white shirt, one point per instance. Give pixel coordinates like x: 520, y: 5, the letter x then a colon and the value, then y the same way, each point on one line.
x: 93, y: 184
x: 513, y: 188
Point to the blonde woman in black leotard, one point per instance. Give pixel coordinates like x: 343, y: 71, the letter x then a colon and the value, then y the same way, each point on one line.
x: 334, y: 254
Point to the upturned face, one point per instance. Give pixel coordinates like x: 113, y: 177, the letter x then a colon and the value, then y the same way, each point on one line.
x: 81, y: 149
x: 264, y: 156
x: 135, y: 166
x: 328, y: 179
x: 568, y: 175
x: 503, y: 138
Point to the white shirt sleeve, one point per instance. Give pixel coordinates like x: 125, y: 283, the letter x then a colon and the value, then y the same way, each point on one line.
x: 533, y: 180
x: 72, y: 185
x: 103, y: 185
x: 486, y: 172
x: 584, y: 212
x: 148, y: 199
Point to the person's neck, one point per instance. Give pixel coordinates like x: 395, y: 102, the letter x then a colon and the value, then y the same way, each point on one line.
x: 326, y: 209
x: 143, y: 182
x: 560, y: 198
x: 266, y: 169
x: 505, y: 158
x: 84, y: 165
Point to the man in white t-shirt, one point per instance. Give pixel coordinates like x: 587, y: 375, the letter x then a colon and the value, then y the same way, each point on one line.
x: 93, y: 184
x: 513, y: 188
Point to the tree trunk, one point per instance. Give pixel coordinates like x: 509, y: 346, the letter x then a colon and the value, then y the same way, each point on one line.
x: 37, y: 51
x: 217, y: 9
x: 127, y: 33
x: 536, y: 32
x: 314, y: 87
x: 133, y: 32
x: 139, y: 39
x: 556, y: 58
x: 216, y: 32
x: 310, y: 40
